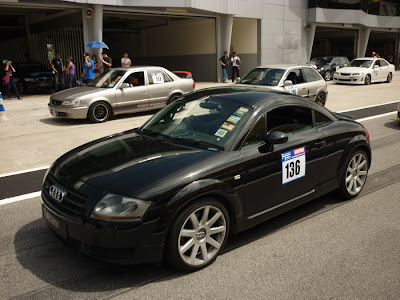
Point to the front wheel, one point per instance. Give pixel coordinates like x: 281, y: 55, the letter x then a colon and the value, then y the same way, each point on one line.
x: 99, y: 112
x: 354, y: 175
x: 327, y: 76
x: 367, y: 79
x: 321, y: 98
x: 198, y: 235
x: 389, y: 78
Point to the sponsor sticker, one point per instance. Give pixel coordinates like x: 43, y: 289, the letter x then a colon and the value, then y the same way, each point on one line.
x: 228, y: 126
x: 157, y: 78
x: 293, y: 164
x: 221, y: 132
x: 293, y: 90
x: 233, y: 119
x: 241, y: 111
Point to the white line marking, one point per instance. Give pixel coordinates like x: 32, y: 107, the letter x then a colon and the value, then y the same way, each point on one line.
x: 24, y: 171
x: 377, y: 116
x: 20, y: 198
x: 375, y: 105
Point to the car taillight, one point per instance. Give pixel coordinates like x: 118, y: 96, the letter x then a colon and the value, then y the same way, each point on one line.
x: 366, y: 131
x: 194, y: 84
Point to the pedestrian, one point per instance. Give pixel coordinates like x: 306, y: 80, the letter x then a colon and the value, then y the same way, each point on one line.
x: 224, y: 61
x: 58, y: 70
x: 88, y: 70
x: 71, y: 72
x: 235, y: 61
x: 126, y: 61
x: 106, y: 61
x: 374, y: 54
x: 8, y: 79
x: 96, y: 65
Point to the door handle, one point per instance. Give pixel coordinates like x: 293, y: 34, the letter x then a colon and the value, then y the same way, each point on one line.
x: 320, y: 144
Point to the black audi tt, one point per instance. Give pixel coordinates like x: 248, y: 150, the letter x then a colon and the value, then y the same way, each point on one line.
x: 213, y: 163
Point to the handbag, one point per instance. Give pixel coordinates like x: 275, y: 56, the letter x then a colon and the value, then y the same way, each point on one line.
x: 6, y: 78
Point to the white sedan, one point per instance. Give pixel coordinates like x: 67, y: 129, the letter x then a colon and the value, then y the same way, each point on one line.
x: 364, y: 71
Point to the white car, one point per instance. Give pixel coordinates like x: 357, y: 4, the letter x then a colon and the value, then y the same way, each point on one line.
x: 364, y: 71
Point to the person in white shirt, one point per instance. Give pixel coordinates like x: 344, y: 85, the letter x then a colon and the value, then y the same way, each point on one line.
x: 235, y: 62
x: 125, y: 61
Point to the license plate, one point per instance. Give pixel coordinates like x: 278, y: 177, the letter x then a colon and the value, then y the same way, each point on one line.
x: 59, y: 226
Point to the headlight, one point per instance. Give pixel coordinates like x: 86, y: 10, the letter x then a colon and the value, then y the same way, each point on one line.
x: 75, y: 102
x: 322, y: 69
x: 119, y: 208
x: 29, y: 79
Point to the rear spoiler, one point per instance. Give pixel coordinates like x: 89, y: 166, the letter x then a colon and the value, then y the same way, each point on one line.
x: 345, y: 116
x: 183, y: 74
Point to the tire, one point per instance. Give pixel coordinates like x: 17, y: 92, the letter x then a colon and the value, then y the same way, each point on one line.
x: 367, y: 79
x: 327, y: 76
x: 389, y: 77
x: 354, y: 175
x: 321, y: 98
x: 99, y: 112
x: 173, y: 98
x: 191, y: 243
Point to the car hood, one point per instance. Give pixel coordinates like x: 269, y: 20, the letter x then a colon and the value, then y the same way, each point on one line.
x: 39, y: 74
x: 352, y: 70
x: 78, y: 92
x: 133, y: 165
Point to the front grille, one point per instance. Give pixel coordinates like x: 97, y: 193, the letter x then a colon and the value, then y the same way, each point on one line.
x: 44, y: 79
x: 341, y: 79
x: 73, y: 204
x: 345, y: 74
x: 56, y: 102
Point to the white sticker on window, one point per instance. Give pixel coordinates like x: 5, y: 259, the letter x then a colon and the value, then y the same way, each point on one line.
x: 157, y: 78
x: 293, y: 165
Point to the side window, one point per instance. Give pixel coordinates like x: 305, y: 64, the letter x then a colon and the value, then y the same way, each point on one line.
x: 311, y: 74
x: 383, y: 63
x: 320, y: 119
x: 290, y: 119
x: 135, y: 79
x: 296, y: 76
x: 377, y: 63
x: 157, y: 77
x: 256, y: 134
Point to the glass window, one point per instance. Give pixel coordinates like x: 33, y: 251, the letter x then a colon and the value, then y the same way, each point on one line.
x: 290, y: 119
x: 335, y: 61
x: 362, y: 63
x: 343, y: 60
x: 108, y: 79
x: 257, y: 133
x: 320, y: 119
x: 296, y: 76
x: 383, y: 63
x: 135, y: 79
x: 377, y: 63
x: 157, y: 77
x: 311, y: 75
x: 263, y: 76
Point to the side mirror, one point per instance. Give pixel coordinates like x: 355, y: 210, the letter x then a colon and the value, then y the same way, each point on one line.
x: 287, y: 83
x: 124, y: 85
x: 276, y: 137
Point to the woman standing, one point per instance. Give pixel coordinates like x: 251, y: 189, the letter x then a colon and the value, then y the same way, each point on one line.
x: 71, y: 72
x: 96, y: 65
x: 8, y: 80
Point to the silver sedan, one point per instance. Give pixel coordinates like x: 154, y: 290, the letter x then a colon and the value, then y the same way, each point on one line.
x: 304, y: 81
x: 120, y: 91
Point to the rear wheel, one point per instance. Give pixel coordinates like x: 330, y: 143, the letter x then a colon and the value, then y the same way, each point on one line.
x: 354, y: 175
x: 389, y: 78
x: 198, y: 235
x: 99, y: 112
x: 321, y: 98
x: 367, y: 79
x: 173, y: 98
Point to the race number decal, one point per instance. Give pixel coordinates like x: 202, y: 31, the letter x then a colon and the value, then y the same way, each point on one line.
x: 157, y: 78
x: 293, y: 90
x: 293, y: 164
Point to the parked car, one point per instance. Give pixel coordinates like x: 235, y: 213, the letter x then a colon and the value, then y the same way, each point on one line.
x: 213, y: 163
x: 328, y: 65
x: 117, y: 92
x: 33, y: 78
x: 365, y: 70
x: 304, y: 81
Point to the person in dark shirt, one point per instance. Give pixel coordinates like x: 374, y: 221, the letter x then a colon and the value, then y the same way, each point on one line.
x: 224, y: 60
x: 107, y: 62
x: 58, y: 69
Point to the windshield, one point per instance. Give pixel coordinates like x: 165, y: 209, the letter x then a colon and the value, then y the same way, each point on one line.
x: 362, y: 63
x: 209, y: 121
x: 263, y: 76
x: 321, y: 61
x: 108, y: 79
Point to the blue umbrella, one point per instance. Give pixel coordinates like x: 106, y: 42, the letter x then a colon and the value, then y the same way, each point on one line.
x: 97, y: 44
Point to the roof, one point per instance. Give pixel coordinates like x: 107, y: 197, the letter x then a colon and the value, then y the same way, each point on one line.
x: 283, y: 66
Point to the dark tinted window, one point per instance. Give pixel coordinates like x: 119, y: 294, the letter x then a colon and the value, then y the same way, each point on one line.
x: 296, y: 76
x: 257, y: 133
x: 320, y: 119
x: 377, y: 63
x: 311, y: 75
x: 289, y: 119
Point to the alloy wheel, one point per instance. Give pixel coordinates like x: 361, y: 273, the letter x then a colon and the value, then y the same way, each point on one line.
x: 389, y: 78
x: 321, y: 99
x: 100, y: 112
x: 202, y: 235
x: 356, y: 174
x: 327, y: 76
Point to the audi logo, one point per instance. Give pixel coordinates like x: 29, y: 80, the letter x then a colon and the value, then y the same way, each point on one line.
x: 57, y: 193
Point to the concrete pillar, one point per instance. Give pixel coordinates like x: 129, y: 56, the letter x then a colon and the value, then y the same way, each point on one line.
x: 310, y: 39
x: 223, y: 35
x: 93, y: 27
x: 362, y: 41
x: 29, y: 40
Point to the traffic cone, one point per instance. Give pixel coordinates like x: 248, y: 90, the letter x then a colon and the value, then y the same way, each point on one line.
x: 3, y: 116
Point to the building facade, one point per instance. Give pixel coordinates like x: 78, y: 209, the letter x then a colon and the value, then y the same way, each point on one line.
x: 192, y: 34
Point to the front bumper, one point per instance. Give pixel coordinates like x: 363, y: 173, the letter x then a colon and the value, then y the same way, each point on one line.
x: 108, y: 242
x: 79, y: 112
x: 350, y: 79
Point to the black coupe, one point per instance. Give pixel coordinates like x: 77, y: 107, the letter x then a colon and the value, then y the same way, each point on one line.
x: 213, y: 163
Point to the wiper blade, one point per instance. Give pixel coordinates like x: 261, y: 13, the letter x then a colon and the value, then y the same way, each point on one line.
x: 153, y: 133
x: 199, y: 142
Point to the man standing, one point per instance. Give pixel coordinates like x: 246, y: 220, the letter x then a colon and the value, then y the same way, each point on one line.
x: 125, y: 61
x: 107, y: 62
x: 88, y: 70
x: 58, y: 70
x: 235, y: 61
x: 224, y: 60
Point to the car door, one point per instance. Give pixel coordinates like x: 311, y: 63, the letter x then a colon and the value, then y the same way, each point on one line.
x: 314, y: 80
x: 376, y: 71
x: 160, y: 87
x: 299, y: 86
x: 132, y: 98
x: 287, y: 172
x: 385, y: 69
